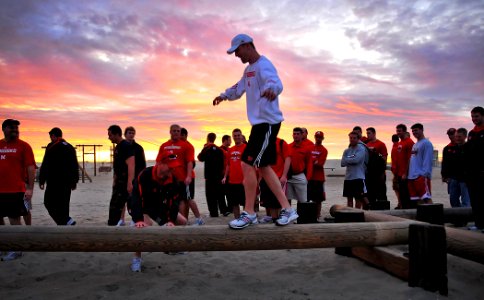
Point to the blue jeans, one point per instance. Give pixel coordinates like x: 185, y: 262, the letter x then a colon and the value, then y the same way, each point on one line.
x: 459, y: 195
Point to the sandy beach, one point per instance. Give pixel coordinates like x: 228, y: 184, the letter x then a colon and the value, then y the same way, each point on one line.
x: 276, y: 274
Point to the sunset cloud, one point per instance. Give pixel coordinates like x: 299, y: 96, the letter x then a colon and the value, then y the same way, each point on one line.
x: 84, y: 65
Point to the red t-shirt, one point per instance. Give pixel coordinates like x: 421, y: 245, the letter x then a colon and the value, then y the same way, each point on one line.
x: 15, y: 157
x: 379, y: 147
x: 282, y: 152
x: 179, y: 154
x: 235, y: 167
x: 394, y: 158
x: 301, y: 160
x: 404, y: 151
x: 319, y: 155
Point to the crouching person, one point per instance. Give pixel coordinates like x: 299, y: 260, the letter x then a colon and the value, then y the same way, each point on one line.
x: 155, y: 198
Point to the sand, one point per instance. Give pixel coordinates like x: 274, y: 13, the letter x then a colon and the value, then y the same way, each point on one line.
x: 276, y: 274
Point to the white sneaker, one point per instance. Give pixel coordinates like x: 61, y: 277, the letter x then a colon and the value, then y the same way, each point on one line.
x: 71, y: 222
x: 243, y: 221
x: 136, y: 264
x: 121, y: 223
x: 287, y: 216
x: 11, y: 255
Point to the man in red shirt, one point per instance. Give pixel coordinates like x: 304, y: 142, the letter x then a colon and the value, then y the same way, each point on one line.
x: 233, y: 171
x: 319, y: 154
x: 180, y: 161
x: 375, y: 175
x: 474, y: 150
x: 16, y: 156
x: 191, y: 202
x: 301, y: 167
x: 404, y: 152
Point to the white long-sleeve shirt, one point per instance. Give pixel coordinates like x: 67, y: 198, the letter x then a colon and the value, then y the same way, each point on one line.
x: 257, y: 78
x: 421, y: 159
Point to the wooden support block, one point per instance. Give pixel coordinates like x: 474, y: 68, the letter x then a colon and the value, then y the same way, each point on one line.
x: 428, y: 257
x: 385, y: 258
x: 431, y: 213
x: 307, y: 212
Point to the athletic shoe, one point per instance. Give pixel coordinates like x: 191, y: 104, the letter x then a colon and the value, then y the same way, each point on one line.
x: 198, y: 222
x: 11, y: 255
x: 71, y: 222
x: 265, y: 220
x: 120, y: 223
x: 287, y: 216
x: 136, y: 264
x: 243, y: 221
x: 473, y: 228
x: 225, y: 214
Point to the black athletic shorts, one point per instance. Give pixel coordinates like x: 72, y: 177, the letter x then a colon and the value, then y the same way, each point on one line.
x: 12, y: 205
x: 316, y: 191
x: 355, y: 188
x: 187, y: 193
x: 261, y: 147
x: 236, y: 195
x: 267, y: 197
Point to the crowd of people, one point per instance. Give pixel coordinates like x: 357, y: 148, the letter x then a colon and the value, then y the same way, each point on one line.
x: 264, y: 169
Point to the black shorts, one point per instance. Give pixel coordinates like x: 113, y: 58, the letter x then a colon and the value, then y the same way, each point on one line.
x: 267, y: 197
x: 187, y: 193
x: 355, y: 188
x: 261, y: 147
x: 236, y: 195
x: 12, y: 205
x: 316, y: 191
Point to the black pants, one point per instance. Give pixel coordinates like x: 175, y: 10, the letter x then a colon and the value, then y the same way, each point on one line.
x: 214, y: 192
x: 377, y: 187
x: 405, y: 194
x: 57, y: 199
x: 118, y: 200
x: 476, y: 193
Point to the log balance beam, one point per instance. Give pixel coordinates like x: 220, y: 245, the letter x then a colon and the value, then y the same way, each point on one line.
x: 200, y: 238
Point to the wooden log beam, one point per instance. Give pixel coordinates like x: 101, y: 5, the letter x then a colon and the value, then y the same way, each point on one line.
x: 451, y: 215
x: 200, y: 238
x: 462, y: 243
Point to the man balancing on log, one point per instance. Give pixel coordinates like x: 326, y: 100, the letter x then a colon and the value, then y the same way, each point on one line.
x: 155, y: 197
x: 262, y: 86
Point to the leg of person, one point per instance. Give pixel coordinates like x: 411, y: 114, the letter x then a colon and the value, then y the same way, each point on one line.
x: 349, y: 201
x: 210, y: 193
x: 454, y: 192
x: 220, y: 198
x: 250, y: 187
x: 396, y: 190
x: 64, y: 204
x: 404, y: 194
x: 382, y: 188
x: 288, y: 214
x: 121, y: 221
x: 476, y: 193
x: 13, y: 207
x: 118, y: 200
x: 244, y: 219
x: 465, y: 199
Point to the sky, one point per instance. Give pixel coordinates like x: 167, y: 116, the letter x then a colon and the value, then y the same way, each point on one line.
x: 85, y: 65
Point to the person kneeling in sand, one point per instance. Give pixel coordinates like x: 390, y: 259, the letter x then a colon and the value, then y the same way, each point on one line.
x: 155, y: 197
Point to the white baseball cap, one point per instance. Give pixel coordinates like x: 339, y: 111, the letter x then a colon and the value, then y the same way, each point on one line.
x: 238, y: 40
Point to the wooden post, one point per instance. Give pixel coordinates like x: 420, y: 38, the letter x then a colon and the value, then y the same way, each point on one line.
x: 431, y: 213
x: 307, y: 212
x: 348, y: 217
x: 428, y: 257
x: 454, y: 215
